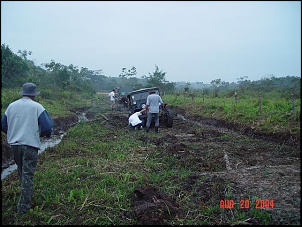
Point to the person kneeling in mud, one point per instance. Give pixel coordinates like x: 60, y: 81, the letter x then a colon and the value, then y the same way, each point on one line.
x: 135, y: 122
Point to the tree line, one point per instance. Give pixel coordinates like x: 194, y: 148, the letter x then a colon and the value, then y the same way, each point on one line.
x: 17, y: 69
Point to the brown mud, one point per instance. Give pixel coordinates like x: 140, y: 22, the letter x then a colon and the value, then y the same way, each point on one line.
x: 60, y: 125
x: 229, y: 161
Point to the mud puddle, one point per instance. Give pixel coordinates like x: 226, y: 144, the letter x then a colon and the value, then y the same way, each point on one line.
x: 223, y: 161
x: 10, y: 166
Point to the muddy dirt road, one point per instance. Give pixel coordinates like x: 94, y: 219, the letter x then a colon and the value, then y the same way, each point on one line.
x: 230, y: 163
x: 227, y: 164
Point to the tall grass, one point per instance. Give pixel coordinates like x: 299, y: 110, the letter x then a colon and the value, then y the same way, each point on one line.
x: 57, y: 103
x: 81, y: 182
x: 89, y: 178
x: 272, y: 114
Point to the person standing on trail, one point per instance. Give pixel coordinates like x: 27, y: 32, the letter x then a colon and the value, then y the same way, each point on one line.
x: 112, y: 98
x: 152, y: 107
x: 24, y: 122
x: 134, y: 121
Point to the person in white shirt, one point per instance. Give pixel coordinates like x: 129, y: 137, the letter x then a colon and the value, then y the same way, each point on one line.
x: 134, y: 121
x: 112, y: 98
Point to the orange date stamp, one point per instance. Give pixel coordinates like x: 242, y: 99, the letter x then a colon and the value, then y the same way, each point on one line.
x: 245, y: 204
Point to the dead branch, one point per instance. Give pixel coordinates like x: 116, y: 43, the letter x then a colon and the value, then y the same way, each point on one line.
x: 227, y: 162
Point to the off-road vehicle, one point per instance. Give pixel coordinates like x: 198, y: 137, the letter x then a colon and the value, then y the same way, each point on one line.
x: 137, y: 101
x: 121, y: 97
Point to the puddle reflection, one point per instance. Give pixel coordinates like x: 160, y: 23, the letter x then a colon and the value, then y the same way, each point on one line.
x: 45, y: 143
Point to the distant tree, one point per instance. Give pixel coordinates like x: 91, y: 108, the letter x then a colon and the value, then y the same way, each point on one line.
x: 128, y: 73
x: 97, y: 80
x: 24, y: 54
x: 128, y: 78
x: 294, y: 84
x: 267, y: 82
x: 14, y: 70
x: 243, y: 83
x: 54, y: 69
x: 187, y: 87
x: 66, y: 76
x: 216, y: 84
x: 158, y: 79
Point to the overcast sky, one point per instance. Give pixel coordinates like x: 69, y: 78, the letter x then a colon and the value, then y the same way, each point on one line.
x: 189, y: 40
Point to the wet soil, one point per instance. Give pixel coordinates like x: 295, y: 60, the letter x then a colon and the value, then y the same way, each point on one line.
x: 60, y: 125
x: 229, y: 161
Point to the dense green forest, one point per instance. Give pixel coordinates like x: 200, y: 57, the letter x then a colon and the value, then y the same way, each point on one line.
x: 17, y: 69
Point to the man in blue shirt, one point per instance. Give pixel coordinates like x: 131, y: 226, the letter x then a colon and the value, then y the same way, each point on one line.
x: 152, y: 106
x: 24, y: 121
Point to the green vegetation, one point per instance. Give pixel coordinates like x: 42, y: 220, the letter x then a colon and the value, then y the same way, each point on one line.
x: 275, y: 114
x: 89, y: 178
x: 58, y: 104
x: 17, y: 69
